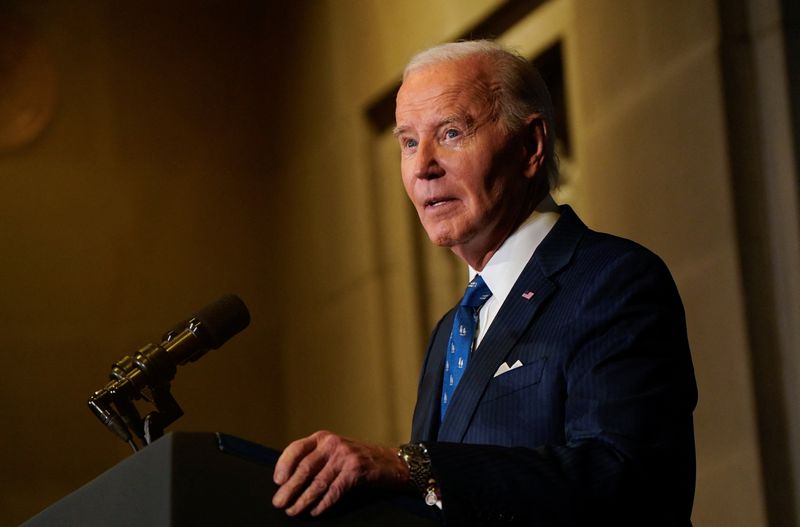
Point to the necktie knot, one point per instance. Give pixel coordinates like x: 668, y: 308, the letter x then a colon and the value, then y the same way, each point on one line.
x: 476, y: 294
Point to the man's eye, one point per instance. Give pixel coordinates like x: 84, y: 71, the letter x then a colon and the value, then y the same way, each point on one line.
x: 410, y: 143
x: 452, y: 133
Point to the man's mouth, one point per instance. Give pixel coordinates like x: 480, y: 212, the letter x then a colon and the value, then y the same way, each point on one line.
x: 437, y: 201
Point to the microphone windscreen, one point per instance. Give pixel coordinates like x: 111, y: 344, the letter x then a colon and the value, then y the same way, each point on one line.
x: 223, y: 319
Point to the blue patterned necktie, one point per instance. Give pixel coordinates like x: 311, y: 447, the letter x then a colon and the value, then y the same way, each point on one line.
x: 461, y: 338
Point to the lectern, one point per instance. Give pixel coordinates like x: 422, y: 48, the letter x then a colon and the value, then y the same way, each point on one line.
x: 204, y: 479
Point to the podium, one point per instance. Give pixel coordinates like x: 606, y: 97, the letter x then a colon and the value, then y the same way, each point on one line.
x: 204, y: 479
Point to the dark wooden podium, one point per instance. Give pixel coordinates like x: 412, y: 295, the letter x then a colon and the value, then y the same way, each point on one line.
x: 199, y: 479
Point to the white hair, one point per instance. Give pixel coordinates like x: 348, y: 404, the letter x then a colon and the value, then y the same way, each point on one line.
x: 519, y: 90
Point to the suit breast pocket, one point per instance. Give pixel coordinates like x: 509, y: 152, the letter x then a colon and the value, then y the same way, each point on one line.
x: 515, y: 380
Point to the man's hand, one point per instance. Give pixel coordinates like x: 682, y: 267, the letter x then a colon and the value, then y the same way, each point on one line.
x: 320, y: 468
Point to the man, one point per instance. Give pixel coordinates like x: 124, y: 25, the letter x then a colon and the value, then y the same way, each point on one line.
x: 560, y: 391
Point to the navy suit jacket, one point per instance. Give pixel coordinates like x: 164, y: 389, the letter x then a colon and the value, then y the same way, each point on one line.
x: 596, y: 427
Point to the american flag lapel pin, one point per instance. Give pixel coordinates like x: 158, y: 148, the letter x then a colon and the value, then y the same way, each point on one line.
x: 527, y: 295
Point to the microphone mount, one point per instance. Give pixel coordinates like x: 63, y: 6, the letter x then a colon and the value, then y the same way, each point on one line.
x: 149, y: 372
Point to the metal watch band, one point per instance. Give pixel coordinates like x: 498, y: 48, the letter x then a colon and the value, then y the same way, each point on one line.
x: 416, y: 458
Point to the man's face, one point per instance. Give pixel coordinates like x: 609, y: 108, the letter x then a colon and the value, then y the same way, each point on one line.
x: 462, y: 170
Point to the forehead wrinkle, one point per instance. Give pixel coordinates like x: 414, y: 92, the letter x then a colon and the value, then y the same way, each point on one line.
x: 462, y: 118
x: 457, y: 112
x: 457, y: 99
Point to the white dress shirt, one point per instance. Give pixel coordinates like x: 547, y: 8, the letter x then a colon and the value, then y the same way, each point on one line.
x: 505, y: 266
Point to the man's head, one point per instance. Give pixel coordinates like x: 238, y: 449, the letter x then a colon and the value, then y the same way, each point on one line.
x: 474, y: 122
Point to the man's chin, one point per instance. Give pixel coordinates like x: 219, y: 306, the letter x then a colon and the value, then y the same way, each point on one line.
x: 448, y: 233
x: 441, y: 239
x: 442, y: 242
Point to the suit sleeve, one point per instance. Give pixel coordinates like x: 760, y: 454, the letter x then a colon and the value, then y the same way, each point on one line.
x: 628, y: 458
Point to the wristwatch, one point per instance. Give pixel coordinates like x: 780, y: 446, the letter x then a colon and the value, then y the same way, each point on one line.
x: 418, y: 461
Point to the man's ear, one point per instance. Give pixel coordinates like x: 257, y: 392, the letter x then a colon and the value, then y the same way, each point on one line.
x: 535, y: 134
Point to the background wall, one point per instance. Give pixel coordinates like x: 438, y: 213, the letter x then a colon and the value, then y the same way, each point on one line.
x: 153, y: 191
x: 203, y: 148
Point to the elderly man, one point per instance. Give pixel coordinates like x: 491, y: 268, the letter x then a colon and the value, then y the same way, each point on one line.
x: 560, y: 390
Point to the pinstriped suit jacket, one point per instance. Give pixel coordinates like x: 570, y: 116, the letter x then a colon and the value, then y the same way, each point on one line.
x: 596, y: 427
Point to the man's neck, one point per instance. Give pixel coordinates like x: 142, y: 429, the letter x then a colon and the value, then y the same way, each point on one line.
x: 478, y: 258
x: 479, y: 252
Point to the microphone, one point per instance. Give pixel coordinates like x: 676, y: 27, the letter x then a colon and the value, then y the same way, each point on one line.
x: 148, y: 373
x: 207, y: 330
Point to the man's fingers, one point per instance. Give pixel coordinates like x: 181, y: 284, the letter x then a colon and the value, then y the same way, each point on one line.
x: 306, y: 470
x: 319, y: 487
x: 291, y: 456
x: 335, y: 491
x: 314, y: 473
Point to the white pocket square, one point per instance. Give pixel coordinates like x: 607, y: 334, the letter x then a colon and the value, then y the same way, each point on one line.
x: 505, y: 368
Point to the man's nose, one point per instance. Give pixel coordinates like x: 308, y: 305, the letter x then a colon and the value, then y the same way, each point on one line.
x: 427, y: 161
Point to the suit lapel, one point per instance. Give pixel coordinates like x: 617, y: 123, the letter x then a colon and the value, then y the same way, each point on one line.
x: 528, y: 295
x: 508, y: 326
x: 426, y: 413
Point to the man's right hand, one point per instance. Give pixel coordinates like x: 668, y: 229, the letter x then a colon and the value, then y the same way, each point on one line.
x: 317, y: 470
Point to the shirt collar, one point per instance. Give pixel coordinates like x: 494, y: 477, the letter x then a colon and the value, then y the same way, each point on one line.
x: 505, y: 266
